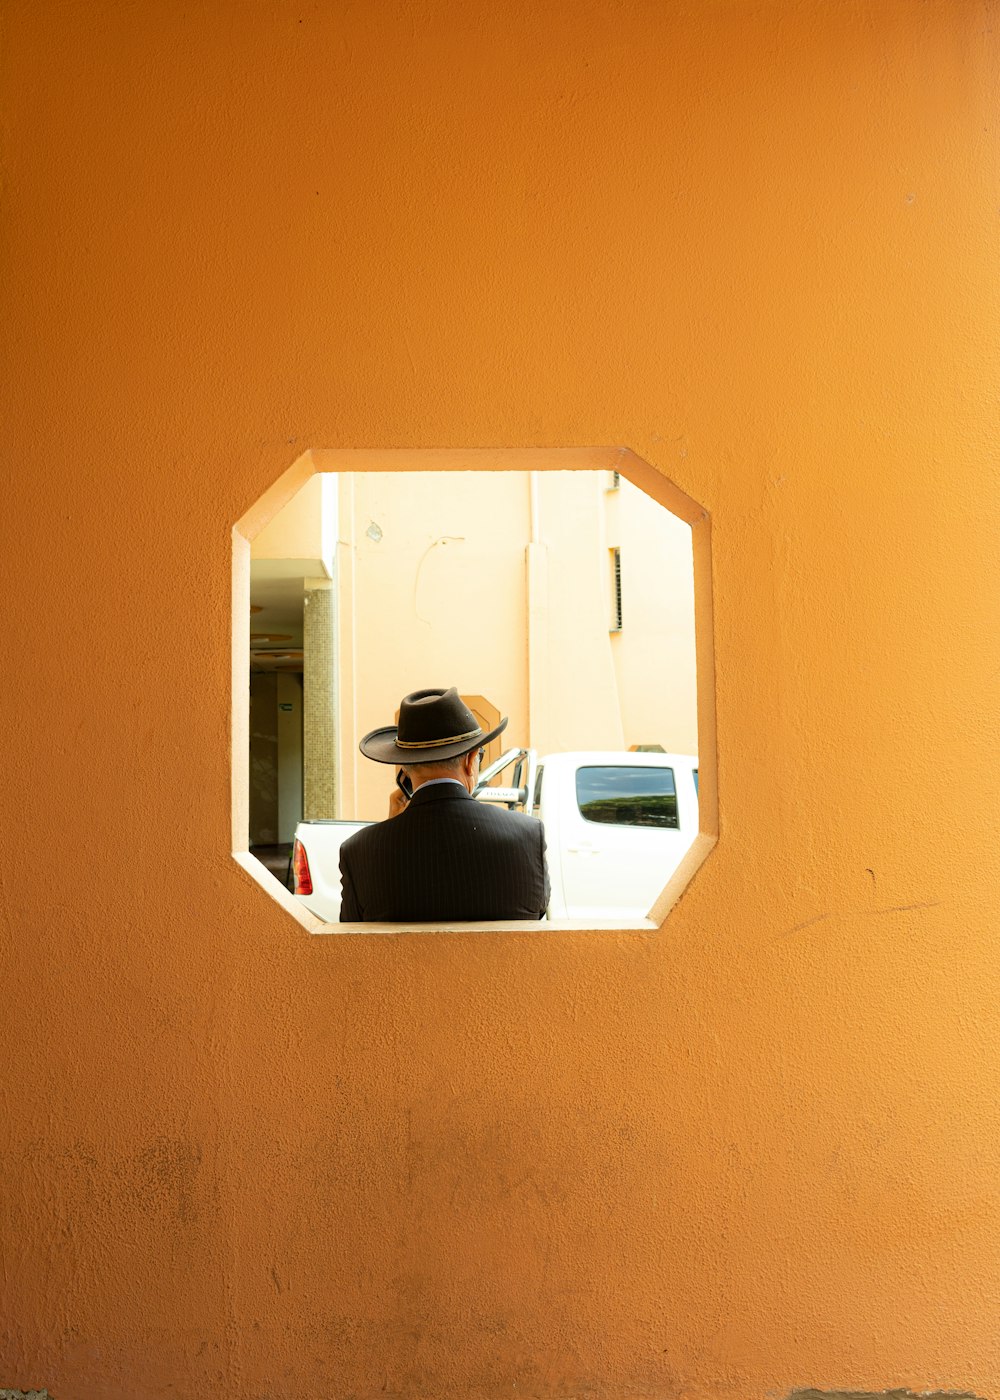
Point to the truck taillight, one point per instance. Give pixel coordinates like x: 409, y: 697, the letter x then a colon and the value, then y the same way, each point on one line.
x: 300, y: 865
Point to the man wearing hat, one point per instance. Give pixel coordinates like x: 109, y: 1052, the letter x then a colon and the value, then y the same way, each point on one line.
x: 444, y: 856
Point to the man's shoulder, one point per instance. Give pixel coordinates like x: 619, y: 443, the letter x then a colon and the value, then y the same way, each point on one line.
x: 368, y: 835
x: 503, y: 819
x: 426, y: 815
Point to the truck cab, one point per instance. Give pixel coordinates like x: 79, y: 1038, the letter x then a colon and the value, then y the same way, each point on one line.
x: 617, y: 825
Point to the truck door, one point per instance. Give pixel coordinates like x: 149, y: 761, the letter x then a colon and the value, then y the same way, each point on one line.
x: 623, y: 838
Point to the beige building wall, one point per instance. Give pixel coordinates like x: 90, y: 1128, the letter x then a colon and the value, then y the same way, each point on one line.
x: 500, y: 584
x: 438, y: 597
x: 580, y: 708
x: 654, y: 654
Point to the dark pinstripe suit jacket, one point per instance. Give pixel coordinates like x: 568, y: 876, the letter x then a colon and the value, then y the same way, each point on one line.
x: 445, y: 857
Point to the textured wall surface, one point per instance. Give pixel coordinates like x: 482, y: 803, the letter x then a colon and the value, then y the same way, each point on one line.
x: 755, y: 1152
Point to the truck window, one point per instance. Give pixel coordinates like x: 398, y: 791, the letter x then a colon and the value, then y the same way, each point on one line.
x: 628, y: 796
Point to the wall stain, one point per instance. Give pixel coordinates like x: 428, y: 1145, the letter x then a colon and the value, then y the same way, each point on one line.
x: 164, y: 1175
x: 882, y: 1395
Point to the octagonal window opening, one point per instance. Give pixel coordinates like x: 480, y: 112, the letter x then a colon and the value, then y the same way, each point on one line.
x: 361, y: 576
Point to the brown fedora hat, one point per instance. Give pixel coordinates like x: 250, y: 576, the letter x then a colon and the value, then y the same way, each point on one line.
x: 433, y: 724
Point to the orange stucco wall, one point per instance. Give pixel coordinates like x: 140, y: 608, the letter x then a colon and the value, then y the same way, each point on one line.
x: 757, y: 1150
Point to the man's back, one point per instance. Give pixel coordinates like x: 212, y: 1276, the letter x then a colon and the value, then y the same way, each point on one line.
x: 446, y: 857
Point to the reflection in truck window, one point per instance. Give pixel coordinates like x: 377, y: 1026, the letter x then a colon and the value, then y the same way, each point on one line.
x: 695, y: 782
x: 628, y: 796
x: 537, y: 799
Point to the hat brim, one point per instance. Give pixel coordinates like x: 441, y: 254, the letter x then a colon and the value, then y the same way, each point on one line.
x: 381, y: 746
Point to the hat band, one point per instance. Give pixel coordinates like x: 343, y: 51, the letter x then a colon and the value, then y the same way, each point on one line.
x: 436, y: 743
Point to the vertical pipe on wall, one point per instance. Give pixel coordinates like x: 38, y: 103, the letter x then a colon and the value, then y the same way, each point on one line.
x: 536, y: 566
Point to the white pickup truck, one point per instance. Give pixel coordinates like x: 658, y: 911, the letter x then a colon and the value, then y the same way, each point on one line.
x: 617, y: 825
